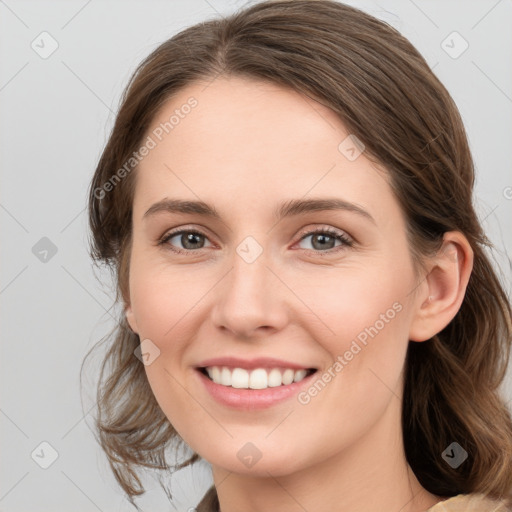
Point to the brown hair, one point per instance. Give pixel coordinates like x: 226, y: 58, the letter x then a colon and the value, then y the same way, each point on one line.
x: 385, y: 93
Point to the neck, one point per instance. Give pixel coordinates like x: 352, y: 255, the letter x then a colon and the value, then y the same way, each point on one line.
x: 370, y: 474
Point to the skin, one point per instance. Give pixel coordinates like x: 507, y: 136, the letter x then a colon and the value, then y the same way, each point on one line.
x: 247, y: 147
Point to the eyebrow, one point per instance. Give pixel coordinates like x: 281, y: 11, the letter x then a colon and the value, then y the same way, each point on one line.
x: 289, y: 208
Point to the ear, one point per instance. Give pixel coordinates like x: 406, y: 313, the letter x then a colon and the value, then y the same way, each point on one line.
x: 130, y: 318
x: 441, y: 293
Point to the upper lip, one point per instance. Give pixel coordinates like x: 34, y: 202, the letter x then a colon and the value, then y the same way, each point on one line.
x: 259, y: 362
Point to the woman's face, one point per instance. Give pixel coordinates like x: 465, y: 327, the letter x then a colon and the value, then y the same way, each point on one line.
x: 255, y: 284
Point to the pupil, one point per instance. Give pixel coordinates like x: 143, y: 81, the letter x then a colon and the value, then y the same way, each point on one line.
x: 323, y: 237
x: 189, y: 238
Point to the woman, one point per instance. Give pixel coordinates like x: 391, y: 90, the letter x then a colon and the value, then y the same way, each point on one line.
x: 286, y: 200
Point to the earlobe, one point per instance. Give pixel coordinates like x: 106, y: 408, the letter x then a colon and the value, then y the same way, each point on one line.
x: 444, y: 287
x: 130, y: 318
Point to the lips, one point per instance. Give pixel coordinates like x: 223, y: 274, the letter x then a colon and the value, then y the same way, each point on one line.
x: 251, y: 392
x: 251, y: 384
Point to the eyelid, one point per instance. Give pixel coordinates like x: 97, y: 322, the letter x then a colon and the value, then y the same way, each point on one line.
x: 162, y: 241
x: 346, y: 240
x: 343, y: 236
x: 324, y: 229
x: 185, y: 229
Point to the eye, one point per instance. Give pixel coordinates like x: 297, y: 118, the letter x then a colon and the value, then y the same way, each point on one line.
x: 324, y: 238
x: 189, y: 238
x: 193, y: 240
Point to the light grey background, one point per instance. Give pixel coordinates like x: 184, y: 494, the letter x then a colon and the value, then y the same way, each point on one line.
x: 56, y: 113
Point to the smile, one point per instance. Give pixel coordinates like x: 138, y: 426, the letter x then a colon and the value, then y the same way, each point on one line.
x: 258, y: 378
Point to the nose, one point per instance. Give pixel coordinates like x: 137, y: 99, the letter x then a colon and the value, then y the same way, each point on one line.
x: 250, y: 301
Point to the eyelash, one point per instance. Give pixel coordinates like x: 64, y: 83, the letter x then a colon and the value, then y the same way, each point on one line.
x: 345, y: 241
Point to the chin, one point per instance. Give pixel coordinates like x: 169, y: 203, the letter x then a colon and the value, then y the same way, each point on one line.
x: 249, y: 460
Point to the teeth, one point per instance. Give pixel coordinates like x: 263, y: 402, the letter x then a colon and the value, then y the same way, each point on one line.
x: 299, y: 375
x: 225, y: 376
x: 239, y: 378
x: 288, y: 376
x: 258, y: 378
x: 274, y: 378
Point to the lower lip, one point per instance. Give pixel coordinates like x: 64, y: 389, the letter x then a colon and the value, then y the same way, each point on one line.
x: 250, y: 399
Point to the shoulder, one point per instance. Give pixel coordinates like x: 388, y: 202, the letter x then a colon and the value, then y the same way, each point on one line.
x: 470, y: 503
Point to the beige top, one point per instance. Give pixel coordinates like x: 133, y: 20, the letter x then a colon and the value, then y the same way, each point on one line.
x: 460, y: 503
x: 469, y: 503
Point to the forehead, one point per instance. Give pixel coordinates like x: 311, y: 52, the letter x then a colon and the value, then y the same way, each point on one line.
x: 236, y: 115
x: 246, y: 141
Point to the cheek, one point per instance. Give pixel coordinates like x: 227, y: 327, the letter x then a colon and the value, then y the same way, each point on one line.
x: 350, y: 301
x: 161, y: 298
x: 367, y: 353
x: 364, y: 329
x: 163, y: 303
